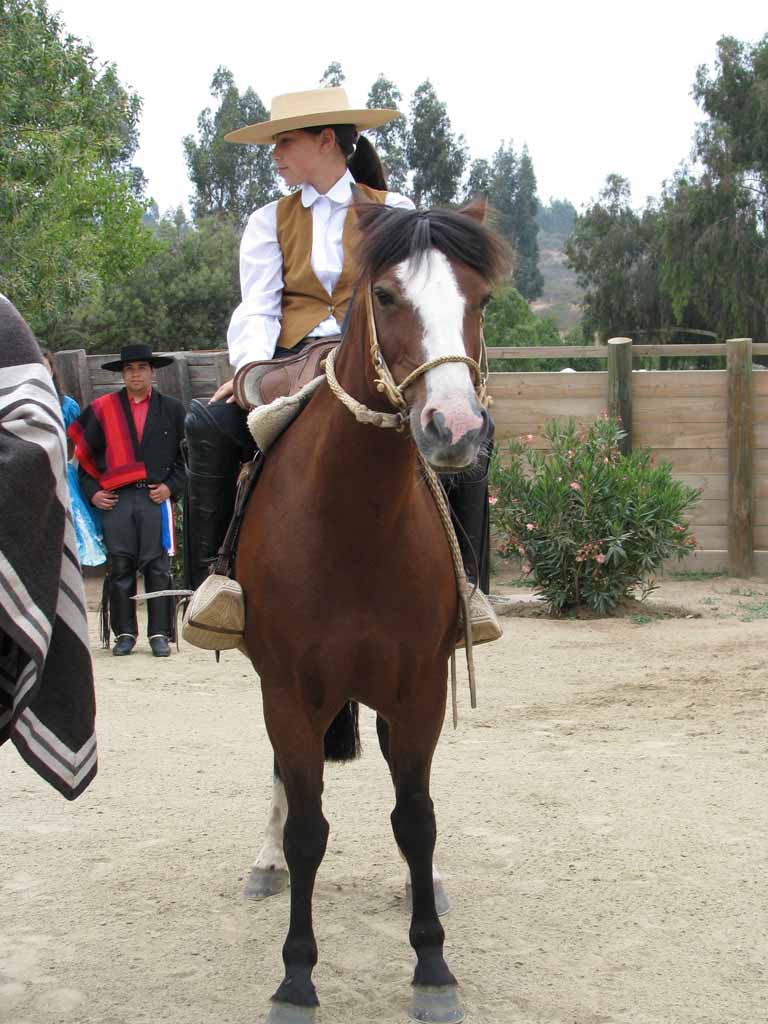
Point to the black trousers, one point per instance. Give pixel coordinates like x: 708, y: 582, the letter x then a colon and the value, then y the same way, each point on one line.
x: 133, y: 538
x: 218, y: 442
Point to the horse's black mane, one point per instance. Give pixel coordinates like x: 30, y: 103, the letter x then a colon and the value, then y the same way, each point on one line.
x: 391, y: 235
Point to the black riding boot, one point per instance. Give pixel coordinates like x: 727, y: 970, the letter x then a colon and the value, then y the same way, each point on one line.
x: 468, y: 497
x: 122, y: 587
x: 157, y: 576
x: 217, y: 444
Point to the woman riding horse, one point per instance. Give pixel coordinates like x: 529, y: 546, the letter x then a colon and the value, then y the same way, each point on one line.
x: 297, y: 269
x: 346, y: 506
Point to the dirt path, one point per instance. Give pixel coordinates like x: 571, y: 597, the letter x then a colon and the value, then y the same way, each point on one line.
x: 603, y: 834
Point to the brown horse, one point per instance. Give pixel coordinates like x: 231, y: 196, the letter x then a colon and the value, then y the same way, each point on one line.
x: 346, y: 568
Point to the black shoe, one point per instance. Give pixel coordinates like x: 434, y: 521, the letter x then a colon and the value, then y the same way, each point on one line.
x: 160, y: 646
x: 124, y: 645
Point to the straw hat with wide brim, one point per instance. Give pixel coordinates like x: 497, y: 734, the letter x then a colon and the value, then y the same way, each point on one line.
x: 311, y: 109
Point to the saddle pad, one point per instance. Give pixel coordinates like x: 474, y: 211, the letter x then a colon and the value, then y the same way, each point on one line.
x: 267, y: 422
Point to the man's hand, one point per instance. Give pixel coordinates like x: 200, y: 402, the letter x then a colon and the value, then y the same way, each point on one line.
x: 105, y: 500
x: 159, y: 493
x: 225, y: 391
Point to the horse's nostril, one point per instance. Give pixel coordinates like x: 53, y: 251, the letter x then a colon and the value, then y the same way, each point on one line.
x: 436, y: 428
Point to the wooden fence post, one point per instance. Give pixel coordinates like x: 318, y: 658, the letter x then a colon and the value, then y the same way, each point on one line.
x: 740, y: 450
x: 72, y: 368
x: 224, y: 371
x: 620, y: 387
x: 174, y: 379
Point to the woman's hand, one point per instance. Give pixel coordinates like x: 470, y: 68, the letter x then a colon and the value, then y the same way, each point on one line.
x: 105, y: 500
x: 225, y: 391
x: 159, y: 493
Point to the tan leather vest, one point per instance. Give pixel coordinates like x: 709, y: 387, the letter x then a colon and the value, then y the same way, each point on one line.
x: 305, y: 302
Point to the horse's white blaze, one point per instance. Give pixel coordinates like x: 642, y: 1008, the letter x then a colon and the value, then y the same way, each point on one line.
x: 271, y: 856
x: 430, y: 285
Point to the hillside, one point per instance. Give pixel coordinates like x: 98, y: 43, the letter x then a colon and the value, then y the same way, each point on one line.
x: 562, y: 295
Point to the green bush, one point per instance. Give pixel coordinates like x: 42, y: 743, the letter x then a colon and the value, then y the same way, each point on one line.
x: 591, y: 526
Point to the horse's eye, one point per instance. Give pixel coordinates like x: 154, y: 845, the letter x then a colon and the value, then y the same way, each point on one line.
x: 383, y: 297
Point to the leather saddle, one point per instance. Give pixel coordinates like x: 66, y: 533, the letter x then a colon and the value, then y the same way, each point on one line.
x: 260, y: 383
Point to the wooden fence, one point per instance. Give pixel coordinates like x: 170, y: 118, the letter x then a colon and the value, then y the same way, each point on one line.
x: 710, y: 425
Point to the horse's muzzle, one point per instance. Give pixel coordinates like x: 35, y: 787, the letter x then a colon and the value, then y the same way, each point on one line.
x: 438, y: 445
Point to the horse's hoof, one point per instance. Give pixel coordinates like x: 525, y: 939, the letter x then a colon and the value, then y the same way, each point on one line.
x: 287, y: 1013
x: 262, y: 882
x: 438, y: 1005
x: 442, y: 903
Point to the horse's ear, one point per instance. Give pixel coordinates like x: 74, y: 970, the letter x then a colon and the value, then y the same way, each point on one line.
x: 477, y: 209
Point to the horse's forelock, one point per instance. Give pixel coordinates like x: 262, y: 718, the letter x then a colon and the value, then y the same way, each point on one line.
x: 391, y: 235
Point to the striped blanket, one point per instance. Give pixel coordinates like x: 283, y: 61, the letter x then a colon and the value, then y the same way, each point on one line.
x: 47, y: 704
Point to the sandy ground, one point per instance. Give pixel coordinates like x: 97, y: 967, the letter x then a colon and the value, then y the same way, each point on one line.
x: 603, y: 835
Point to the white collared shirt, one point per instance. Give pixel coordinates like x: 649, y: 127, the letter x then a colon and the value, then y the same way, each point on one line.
x: 255, y: 324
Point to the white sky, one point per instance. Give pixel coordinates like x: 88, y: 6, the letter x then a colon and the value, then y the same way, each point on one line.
x: 593, y: 87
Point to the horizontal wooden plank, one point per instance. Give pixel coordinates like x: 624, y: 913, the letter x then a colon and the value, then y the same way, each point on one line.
x: 503, y: 386
x: 679, y: 383
x: 601, y: 351
x: 712, y: 537
x: 205, y: 372
x: 713, y: 561
x: 679, y: 411
x: 547, y: 352
x: 538, y: 410
x: 715, y: 487
x: 681, y: 435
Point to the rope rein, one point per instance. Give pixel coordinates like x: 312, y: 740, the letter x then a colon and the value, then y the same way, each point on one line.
x: 385, y: 384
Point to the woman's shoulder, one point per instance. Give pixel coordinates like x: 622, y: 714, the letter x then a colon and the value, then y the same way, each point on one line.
x: 265, y: 216
x: 399, y: 201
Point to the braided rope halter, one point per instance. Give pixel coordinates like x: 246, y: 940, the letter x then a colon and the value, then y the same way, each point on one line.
x: 395, y: 393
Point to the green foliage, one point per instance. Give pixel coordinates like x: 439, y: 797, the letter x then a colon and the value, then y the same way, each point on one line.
x: 509, y: 185
x: 509, y: 320
x: 182, y: 297
x: 229, y: 180
x: 333, y: 76
x: 390, y: 140
x: 592, y: 526
x: 558, y: 217
x: 613, y: 251
x: 70, y: 201
x: 525, y: 230
x: 435, y: 155
x: 698, y: 257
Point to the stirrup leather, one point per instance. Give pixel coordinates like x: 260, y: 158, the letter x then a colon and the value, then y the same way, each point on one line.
x: 483, y: 621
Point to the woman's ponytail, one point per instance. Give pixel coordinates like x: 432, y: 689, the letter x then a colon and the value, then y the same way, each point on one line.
x: 366, y: 167
x: 362, y: 159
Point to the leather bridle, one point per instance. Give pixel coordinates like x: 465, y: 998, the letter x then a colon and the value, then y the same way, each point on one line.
x: 386, y: 384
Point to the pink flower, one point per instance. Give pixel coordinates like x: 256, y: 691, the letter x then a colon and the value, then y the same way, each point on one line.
x: 492, y: 500
x: 575, y: 486
x: 600, y: 559
x: 529, y: 438
x: 526, y: 568
x: 520, y: 549
x: 530, y: 526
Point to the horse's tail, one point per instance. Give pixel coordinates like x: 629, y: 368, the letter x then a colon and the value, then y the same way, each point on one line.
x: 342, y: 739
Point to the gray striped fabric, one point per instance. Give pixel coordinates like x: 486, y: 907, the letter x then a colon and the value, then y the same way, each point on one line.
x: 47, y: 705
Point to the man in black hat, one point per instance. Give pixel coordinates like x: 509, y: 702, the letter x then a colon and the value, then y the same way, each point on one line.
x: 128, y: 445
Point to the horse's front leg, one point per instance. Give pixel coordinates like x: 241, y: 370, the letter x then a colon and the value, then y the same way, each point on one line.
x: 442, y: 903
x: 299, y: 752
x: 435, y: 992
x: 269, y: 873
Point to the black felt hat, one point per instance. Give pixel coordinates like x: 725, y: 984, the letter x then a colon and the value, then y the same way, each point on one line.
x: 137, y: 354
